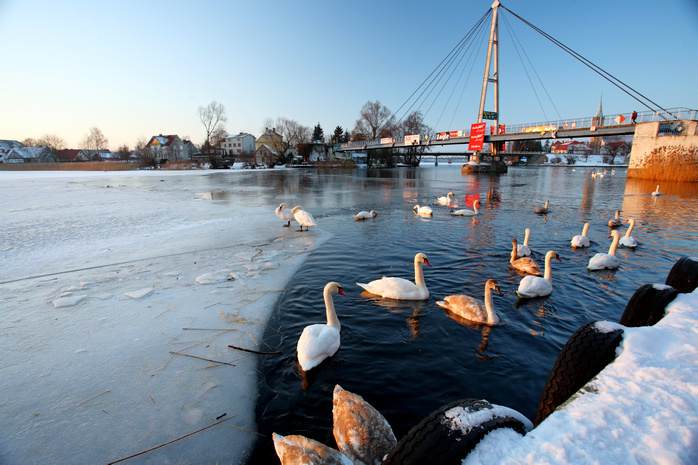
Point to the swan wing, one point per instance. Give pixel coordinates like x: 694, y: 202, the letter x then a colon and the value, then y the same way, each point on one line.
x: 580, y: 241
x: 395, y: 288
x: 527, y: 265
x: 602, y: 261
x: 534, y: 286
x: 628, y: 241
x: 304, y: 218
x: 466, y: 307
x: 294, y: 449
x: 522, y: 250
x: 317, y: 342
x: 465, y: 212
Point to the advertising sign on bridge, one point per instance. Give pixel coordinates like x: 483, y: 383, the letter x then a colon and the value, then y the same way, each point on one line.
x: 477, y: 136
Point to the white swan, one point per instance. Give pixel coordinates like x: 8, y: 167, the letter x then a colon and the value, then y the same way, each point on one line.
x: 423, y: 210
x: 364, y: 215
x: 319, y: 341
x: 656, y: 192
x: 523, y: 264
x: 628, y: 240
x: 609, y: 261
x: 303, y: 217
x: 535, y: 286
x: 581, y: 240
x: 473, y: 309
x: 400, y: 288
x: 446, y: 200
x: 523, y: 250
x: 295, y: 449
x: 544, y: 210
x: 615, y: 222
x: 466, y: 212
x: 360, y: 431
x: 284, y: 214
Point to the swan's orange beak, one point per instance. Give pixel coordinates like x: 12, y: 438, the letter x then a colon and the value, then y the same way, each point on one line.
x: 427, y: 262
x: 497, y: 289
x: 558, y: 258
x: 341, y: 291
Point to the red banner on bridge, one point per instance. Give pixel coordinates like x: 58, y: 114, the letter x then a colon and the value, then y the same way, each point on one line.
x: 477, y: 136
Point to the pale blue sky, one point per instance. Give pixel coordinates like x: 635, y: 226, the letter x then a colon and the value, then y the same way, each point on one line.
x: 139, y: 68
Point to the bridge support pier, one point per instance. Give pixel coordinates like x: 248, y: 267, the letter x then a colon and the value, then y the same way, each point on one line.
x: 665, y: 151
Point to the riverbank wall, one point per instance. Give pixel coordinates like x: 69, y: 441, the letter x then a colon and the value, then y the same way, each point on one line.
x: 665, y: 151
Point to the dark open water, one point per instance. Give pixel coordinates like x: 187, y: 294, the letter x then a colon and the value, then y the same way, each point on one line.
x: 409, y: 358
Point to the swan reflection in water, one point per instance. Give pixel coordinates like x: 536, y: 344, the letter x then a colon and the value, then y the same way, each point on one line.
x: 484, y: 329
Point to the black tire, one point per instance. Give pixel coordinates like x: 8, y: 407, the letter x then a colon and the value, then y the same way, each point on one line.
x: 647, y: 306
x: 433, y: 441
x: 586, y: 353
x: 684, y: 275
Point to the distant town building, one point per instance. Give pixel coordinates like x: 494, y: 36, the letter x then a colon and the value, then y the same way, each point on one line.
x: 265, y: 155
x: 570, y: 147
x: 170, y: 148
x: 239, y: 144
x: 270, y: 138
x: 71, y: 155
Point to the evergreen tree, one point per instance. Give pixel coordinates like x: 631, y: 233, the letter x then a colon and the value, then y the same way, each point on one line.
x: 318, y: 134
x: 338, y: 135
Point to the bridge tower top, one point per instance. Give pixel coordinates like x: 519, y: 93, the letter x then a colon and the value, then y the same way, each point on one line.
x: 492, y: 58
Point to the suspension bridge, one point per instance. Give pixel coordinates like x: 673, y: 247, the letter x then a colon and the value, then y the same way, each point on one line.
x: 497, y: 134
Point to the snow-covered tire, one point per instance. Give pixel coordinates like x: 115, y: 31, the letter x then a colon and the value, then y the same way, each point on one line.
x: 647, y: 306
x: 684, y: 275
x: 436, y: 441
x: 588, y: 351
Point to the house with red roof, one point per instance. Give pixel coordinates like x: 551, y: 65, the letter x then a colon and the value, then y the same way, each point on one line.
x: 170, y: 148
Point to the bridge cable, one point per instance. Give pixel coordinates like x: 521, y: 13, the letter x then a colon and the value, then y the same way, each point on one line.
x: 449, y: 58
x: 606, y: 75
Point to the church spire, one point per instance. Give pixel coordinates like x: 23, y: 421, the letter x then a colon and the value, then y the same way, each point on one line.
x: 599, y: 112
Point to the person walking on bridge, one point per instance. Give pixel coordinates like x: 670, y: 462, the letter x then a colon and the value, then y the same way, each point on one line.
x: 634, y: 117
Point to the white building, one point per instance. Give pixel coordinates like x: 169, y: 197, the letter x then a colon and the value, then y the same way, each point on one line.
x: 238, y: 144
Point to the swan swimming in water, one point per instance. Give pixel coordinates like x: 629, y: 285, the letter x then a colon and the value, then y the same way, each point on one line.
x: 522, y: 250
x: 466, y: 212
x: 615, y: 222
x: 303, y: 217
x: 535, y: 286
x: 656, y: 192
x: 609, y: 261
x: 473, y: 309
x: 446, y: 200
x: 364, y: 215
x: 523, y: 264
x: 581, y: 240
x: 544, y: 210
x: 628, y: 240
x: 284, y: 214
x: 319, y: 341
x: 400, y: 288
x: 423, y: 210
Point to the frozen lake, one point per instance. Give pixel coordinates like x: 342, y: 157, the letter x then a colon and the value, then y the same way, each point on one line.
x: 106, y: 279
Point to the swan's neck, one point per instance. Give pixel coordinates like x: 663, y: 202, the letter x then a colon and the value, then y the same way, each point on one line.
x: 614, y: 244
x: 630, y: 229
x: 418, y: 274
x: 528, y: 233
x: 477, y: 210
x: 514, y: 253
x: 332, y: 319
x: 489, y: 306
x: 585, y: 230
x: 548, y: 276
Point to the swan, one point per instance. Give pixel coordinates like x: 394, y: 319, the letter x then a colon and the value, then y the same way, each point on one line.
x: 615, y: 222
x: 360, y: 431
x: 399, y: 288
x: 583, y: 240
x: 523, y: 264
x: 523, y: 250
x: 628, y: 240
x: 295, y: 449
x: 303, y: 217
x: 656, y: 192
x: 319, y: 341
x: 284, y: 214
x: 446, y: 200
x: 473, y: 309
x: 466, y: 212
x: 602, y: 261
x: 364, y: 215
x: 424, y: 211
x: 544, y: 210
x: 535, y: 286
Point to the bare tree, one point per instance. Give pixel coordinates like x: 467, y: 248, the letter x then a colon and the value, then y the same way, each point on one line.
x: 52, y: 141
x: 413, y: 124
x: 376, y: 121
x: 218, y: 136
x: 95, y: 140
x: 29, y: 142
x: 292, y: 133
x: 211, y: 116
x: 145, y: 156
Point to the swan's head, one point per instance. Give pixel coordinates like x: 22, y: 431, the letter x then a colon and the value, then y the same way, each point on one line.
x: 451, y: 194
x: 421, y: 258
x: 295, y: 209
x: 334, y: 287
x: 614, y: 234
x: 416, y: 208
x: 631, y: 221
x: 282, y: 206
x: 373, y: 213
x: 553, y: 254
x: 492, y: 284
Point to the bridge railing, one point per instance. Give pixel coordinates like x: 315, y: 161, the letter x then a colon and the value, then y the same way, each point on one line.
x: 576, y: 123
